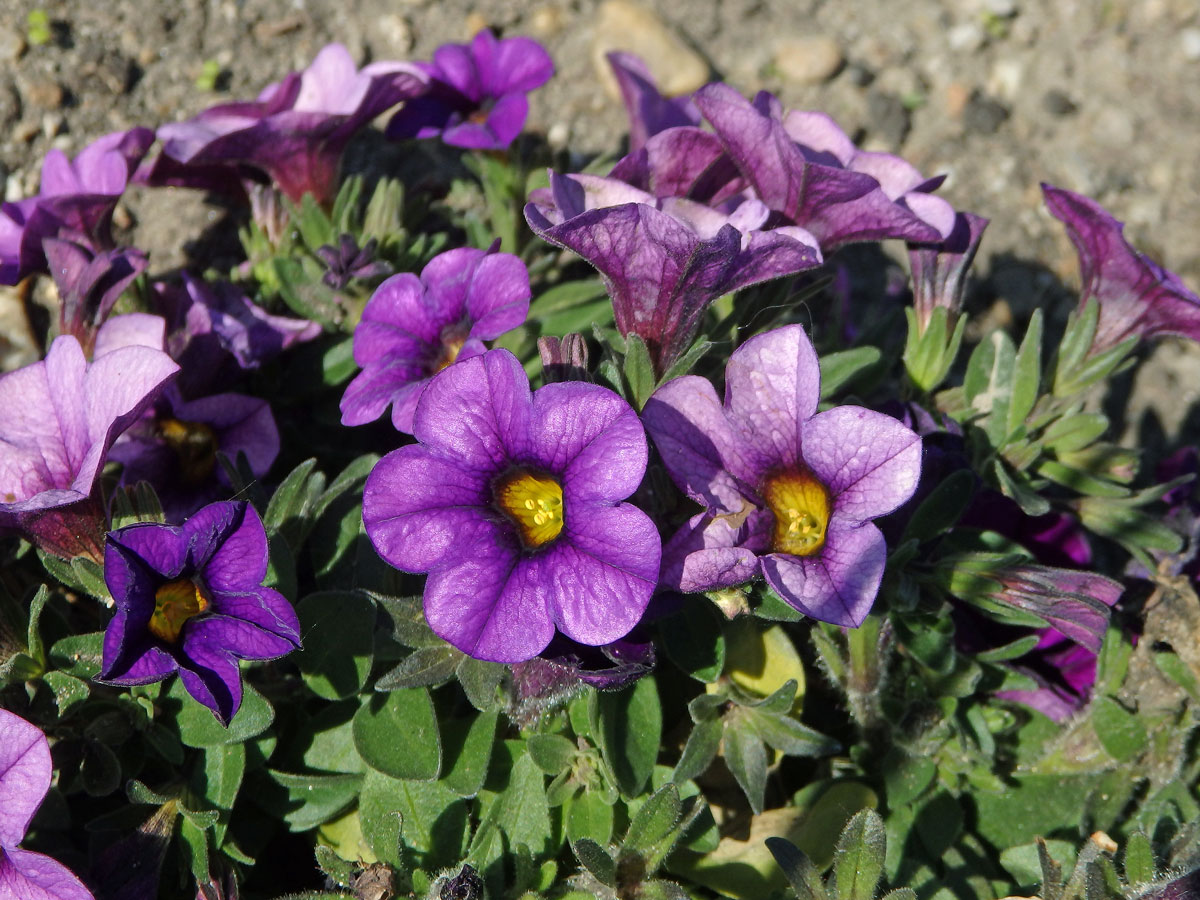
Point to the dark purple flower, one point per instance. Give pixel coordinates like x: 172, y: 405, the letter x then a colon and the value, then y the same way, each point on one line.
x: 89, y: 284
x: 939, y: 271
x: 175, y: 446
x: 649, y: 111
x: 477, y: 93
x: 789, y: 493
x: 296, y: 130
x: 1137, y: 296
x: 803, y: 167
x: 190, y: 599
x: 58, y: 419
x: 412, y: 328
x: 75, y: 201
x: 664, y: 260
x: 348, y: 262
x: 25, y: 772
x: 511, y: 501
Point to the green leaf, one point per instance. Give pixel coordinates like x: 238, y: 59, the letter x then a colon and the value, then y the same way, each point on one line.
x: 588, y: 816
x: 1139, y: 859
x: 467, y: 747
x: 565, y: 296
x: 552, y: 753
x: 219, y: 780
x: 858, y: 862
x: 628, y: 728
x: 685, y: 363
x: 294, y: 502
x: 524, y: 814
x: 746, y: 757
x: 198, y: 727
x: 379, y: 722
x: 1079, y: 481
x: 69, y: 691
x: 332, y: 744
x: 424, y: 667
x: 1121, y: 733
x: 480, y: 680
x: 1075, y: 432
x: 429, y: 818
x: 33, y: 636
x: 639, y: 370
x: 193, y: 839
x: 100, y: 772
x: 1113, y: 662
x: 655, y: 828
x: 789, y: 736
x: 700, y: 750
x: 1016, y: 486
x: 339, y: 642
x: 1026, y: 377
x: 799, y: 870
x: 1076, y: 342
x: 596, y: 860
x: 906, y: 777
x: 842, y: 367
x: 942, y: 508
x: 1023, y: 862
x: 694, y: 639
x: 305, y: 800
x: 1170, y: 664
x: 81, y: 574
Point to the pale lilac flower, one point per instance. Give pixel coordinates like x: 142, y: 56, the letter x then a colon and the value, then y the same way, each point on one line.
x: 477, y: 92
x: 1137, y: 296
x: 511, y: 501
x: 789, y: 493
x: 296, y: 130
x: 25, y: 773
x: 190, y: 599
x: 412, y: 328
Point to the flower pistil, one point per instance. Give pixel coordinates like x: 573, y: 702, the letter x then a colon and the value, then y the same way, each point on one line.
x: 800, y: 505
x: 174, y: 603
x: 534, y: 503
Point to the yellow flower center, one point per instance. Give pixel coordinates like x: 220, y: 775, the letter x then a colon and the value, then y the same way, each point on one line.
x: 800, y: 504
x: 174, y: 603
x: 196, y: 446
x: 534, y: 503
x: 450, y: 351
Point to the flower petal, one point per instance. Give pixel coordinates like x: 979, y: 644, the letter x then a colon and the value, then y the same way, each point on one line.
x: 229, y: 545
x: 25, y: 771
x: 25, y: 875
x: 211, y: 675
x: 709, y: 553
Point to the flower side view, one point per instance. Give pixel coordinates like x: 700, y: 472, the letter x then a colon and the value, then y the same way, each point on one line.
x: 190, y: 599
x: 25, y: 772
x: 412, y: 328
x: 512, y: 503
x: 789, y: 493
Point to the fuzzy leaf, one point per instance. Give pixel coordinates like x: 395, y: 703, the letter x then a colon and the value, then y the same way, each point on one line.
x: 858, y: 863
x: 379, y: 722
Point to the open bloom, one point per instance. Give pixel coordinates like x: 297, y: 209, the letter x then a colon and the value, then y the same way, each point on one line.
x: 512, y: 503
x: 477, y: 92
x: 789, y: 493
x: 25, y: 772
x: 412, y: 328
x: 1137, y: 296
x: 58, y: 419
x: 190, y: 599
x: 296, y: 130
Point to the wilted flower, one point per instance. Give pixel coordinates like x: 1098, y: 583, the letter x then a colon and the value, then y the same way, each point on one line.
x: 89, y: 284
x: 1136, y: 295
x: 347, y: 262
x: 512, y: 503
x: 75, y: 201
x: 58, y: 419
x: 296, y: 130
x: 649, y: 111
x: 664, y: 260
x: 412, y: 328
x: 939, y: 271
x: 25, y: 772
x: 190, y: 599
x: 789, y: 493
x: 477, y: 92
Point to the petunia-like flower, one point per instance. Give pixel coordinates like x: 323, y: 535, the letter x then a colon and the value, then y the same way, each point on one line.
x: 664, y: 260
x: 296, y: 130
x: 939, y: 271
x: 75, y: 201
x: 1136, y: 295
x: 89, y: 284
x: 649, y: 111
x: 789, y: 493
x: 511, y: 501
x: 25, y: 772
x: 190, y: 599
x: 477, y: 93
x: 58, y: 419
x: 412, y: 328
x: 803, y: 167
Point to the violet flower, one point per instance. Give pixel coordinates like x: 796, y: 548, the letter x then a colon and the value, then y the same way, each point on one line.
x: 25, y: 773
x: 296, y: 130
x: 649, y: 111
x: 348, y: 262
x: 190, y: 599
x: 511, y: 501
x: 75, y: 201
x: 664, y: 260
x: 789, y: 493
x: 477, y: 93
x: 412, y: 328
x: 939, y: 271
x: 89, y: 284
x: 1136, y: 295
x: 58, y: 419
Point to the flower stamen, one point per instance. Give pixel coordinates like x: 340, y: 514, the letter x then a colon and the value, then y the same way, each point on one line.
x: 533, y: 503
x: 800, y: 505
x: 195, y: 443
x: 174, y: 603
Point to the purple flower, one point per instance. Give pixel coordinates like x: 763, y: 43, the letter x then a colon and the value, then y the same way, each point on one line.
x: 25, y: 772
x: 348, y: 262
x: 664, y: 260
x: 804, y: 168
x: 413, y: 328
x: 58, y: 419
x: 476, y: 97
x: 649, y: 111
x: 190, y: 599
x: 1136, y: 295
x: 89, y: 284
x: 789, y: 493
x: 296, y: 130
x: 939, y: 271
x: 511, y: 501
x: 76, y: 201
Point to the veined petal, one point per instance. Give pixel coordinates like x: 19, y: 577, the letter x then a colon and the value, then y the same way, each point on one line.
x: 26, y: 875
x: 25, y: 771
x: 712, y: 552
x: 211, y: 675
x: 229, y: 545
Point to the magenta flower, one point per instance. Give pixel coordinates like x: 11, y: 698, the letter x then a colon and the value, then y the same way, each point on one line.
x: 296, y: 130
x: 1136, y: 295
x: 649, y: 111
x: 511, y: 501
x: 190, y: 600
x: 25, y: 772
x: 789, y: 493
x: 664, y: 260
x: 477, y: 93
x: 412, y: 328
x: 58, y: 419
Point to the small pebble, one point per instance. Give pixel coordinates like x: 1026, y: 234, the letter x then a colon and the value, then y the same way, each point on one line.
x: 474, y: 23
x: 12, y: 45
x: 1058, y: 104
x: 396, y: 35
x: 624, y: 25
x: 43, y: 94
x: 983, y: 115
x: 965, y: 38
x: 1190, y: 38
x: 1002, y: 9
x: 547, y: 22
x: 859, y: 75
x: 10, y: 102
x: 808, y: 60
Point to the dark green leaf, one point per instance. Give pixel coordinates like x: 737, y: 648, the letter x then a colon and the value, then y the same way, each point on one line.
x: 552, y: 753
x: 198, y: 727
x: 628, y: 726
x: 906, y: 777
x: 1112, y: 662
x: 799, y: 870
x: 524, y: 812
x: 1139, y: 859
x: 942, y: 508
x: 695, y: 640
x: 1121, y: 733
x: 787, y: 735
x: 746, y: 757
x: 1016, y: 486
x: 858, y: 862
x: 655, y: 828
x: 588, y: 816
x: 339, y: 642
x: 383, y: 718
x: 684, y: 364
x: 467, y: 745
x: 305, y: 800
x: 1027, y: 370
x: 564, y: 296
x: 294, y: 503
x: 100, y: 773
x: 1023, y: 862
x: 336, y: 869
x: 596, y: 860
x: 424, y: 667
x: 429, y: 817
x: 69, y: 691
x: 639, y: 370
x: 700, y: 750
x: 1075, y: 432
x: 480, y: 680
x: 219, y: 780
